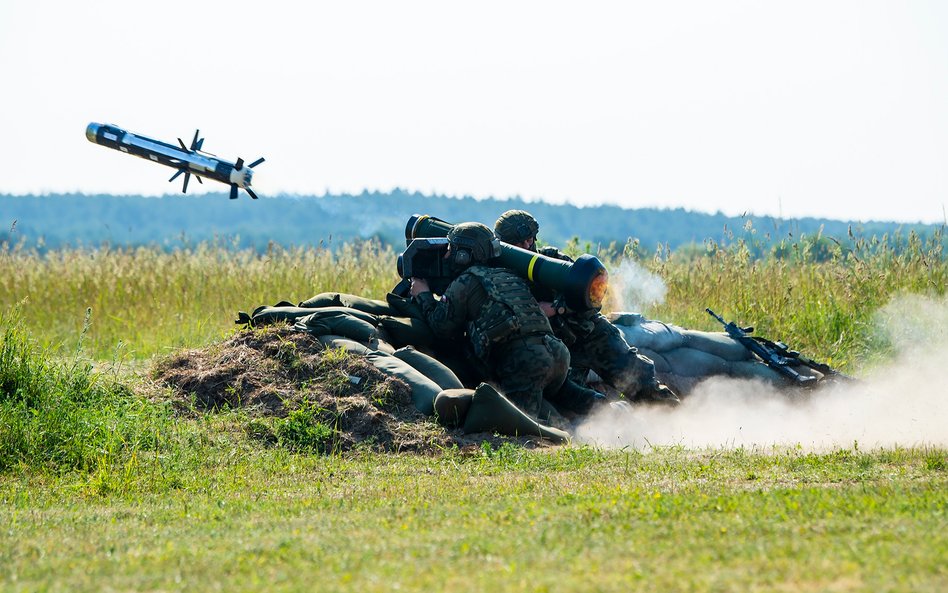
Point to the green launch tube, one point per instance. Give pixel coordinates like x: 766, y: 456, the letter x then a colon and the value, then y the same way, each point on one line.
x: 583, y: 283
x: 422, y: 226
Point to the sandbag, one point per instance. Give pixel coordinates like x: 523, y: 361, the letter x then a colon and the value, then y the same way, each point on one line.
x: 429, y: 367
x: 339, y: 322
x: 460, y: 364
x: 341, y: 299
x: 693, y: 363
x: 661, y: 365
x: 403, y: 331
x: 423, y: 389
x: 404, y: 306
x: 659, y: 336
x: 266, y: 315
x: 717, y: 343
x: 647, y: 333
x: 351, y: 346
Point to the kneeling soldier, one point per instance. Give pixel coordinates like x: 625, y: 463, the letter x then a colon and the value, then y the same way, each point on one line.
x: 508, y: 333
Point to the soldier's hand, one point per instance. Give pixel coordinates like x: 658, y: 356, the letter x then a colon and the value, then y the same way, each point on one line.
x: 549, y: 309
x: 418, y: 286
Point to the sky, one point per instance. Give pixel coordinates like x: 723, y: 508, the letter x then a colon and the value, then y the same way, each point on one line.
x: 833, y: 109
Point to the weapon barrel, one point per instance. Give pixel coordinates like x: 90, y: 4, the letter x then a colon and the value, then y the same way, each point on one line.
x: 716, y: 316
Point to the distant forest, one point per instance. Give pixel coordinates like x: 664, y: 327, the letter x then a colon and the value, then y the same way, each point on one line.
x: 172, y: 221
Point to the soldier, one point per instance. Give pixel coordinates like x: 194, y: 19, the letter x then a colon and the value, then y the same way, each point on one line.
x: 509, y: 334
x: 593, y: 342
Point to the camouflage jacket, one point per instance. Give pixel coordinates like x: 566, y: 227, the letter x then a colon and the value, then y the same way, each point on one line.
x: 571, y: 325
x: 491, y: 304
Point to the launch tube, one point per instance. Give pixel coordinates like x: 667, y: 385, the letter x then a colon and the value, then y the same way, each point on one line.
x: 583, y: 283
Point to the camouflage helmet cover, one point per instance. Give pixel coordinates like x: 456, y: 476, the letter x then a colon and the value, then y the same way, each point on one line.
x: 474, y: 238
x: 516, y: 226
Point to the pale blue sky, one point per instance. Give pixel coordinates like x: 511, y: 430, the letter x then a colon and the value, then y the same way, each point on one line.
x: 832, y: 109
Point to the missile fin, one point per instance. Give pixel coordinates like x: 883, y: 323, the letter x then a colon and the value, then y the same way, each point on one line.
x: 195, y: 145
x: 250, y: 191
x: 175, y: 176
x: 239, y: 164
x: 256, y: 162
x: 233, y: 191
x: 183, y: 147
x: 187, y: 177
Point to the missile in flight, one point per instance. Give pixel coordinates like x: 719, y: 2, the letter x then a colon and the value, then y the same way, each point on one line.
x: 190, y: 161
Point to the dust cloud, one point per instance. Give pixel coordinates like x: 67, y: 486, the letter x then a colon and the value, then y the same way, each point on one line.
x: 632, y: 288
x: 902, y: 402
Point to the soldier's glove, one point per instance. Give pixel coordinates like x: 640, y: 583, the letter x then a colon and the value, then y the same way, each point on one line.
x: 562, y: 331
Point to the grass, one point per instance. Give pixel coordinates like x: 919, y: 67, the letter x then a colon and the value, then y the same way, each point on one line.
x: 574, y: 519
x: 102, y: 488
x: 145, y: 301
x: 61, y: 417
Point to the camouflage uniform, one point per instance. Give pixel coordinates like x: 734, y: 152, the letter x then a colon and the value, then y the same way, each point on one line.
x: 593, y: 342
x: 509, y: 334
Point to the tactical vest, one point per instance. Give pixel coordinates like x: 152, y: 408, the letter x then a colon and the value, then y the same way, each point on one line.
x: 510, y: 311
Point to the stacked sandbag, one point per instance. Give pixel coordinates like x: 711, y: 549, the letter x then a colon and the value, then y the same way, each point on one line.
x: 390, y: 334
x: 684, y: 357
x: 406, y: 331
x: 430, y: 366
x: 423, y: 388
x: 338, y: 321
x: 350, y: 301
x: 289, y: 313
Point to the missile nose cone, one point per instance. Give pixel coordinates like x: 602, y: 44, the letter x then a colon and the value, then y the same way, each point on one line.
x: 91, y: 131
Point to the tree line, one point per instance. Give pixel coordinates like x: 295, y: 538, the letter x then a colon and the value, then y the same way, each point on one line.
x: 55, y: 221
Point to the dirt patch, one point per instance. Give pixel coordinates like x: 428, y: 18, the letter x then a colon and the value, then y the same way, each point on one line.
x: 300, y: 394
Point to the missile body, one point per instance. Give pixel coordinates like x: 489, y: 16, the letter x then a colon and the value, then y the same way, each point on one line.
x: 188, y: 161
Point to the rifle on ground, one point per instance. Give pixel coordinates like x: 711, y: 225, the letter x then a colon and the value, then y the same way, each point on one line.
x: 777, y: 355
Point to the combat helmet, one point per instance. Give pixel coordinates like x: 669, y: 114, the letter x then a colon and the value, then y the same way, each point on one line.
x: 516, y: 226
x: 472, y: 242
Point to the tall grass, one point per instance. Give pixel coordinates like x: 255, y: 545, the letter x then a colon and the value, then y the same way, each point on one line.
x: 146, y: 301
x: 816, y: 293
x: 62, y: 416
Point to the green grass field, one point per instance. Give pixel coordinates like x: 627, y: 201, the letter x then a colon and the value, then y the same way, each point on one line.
x: 106, y: 487
x: 572, y: 519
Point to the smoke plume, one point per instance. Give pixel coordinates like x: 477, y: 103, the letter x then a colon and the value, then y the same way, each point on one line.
x: 902, y: 402
x: 632, y: 288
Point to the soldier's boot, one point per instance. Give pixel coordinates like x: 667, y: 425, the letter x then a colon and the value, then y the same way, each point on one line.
x: 657, y: 393
x: 489, y: 411
x: 577, y: 399
x: 451, y: 406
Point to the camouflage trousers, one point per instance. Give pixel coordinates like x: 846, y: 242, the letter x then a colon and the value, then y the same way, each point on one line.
x: 596, y: 344
x: 527, y: 370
